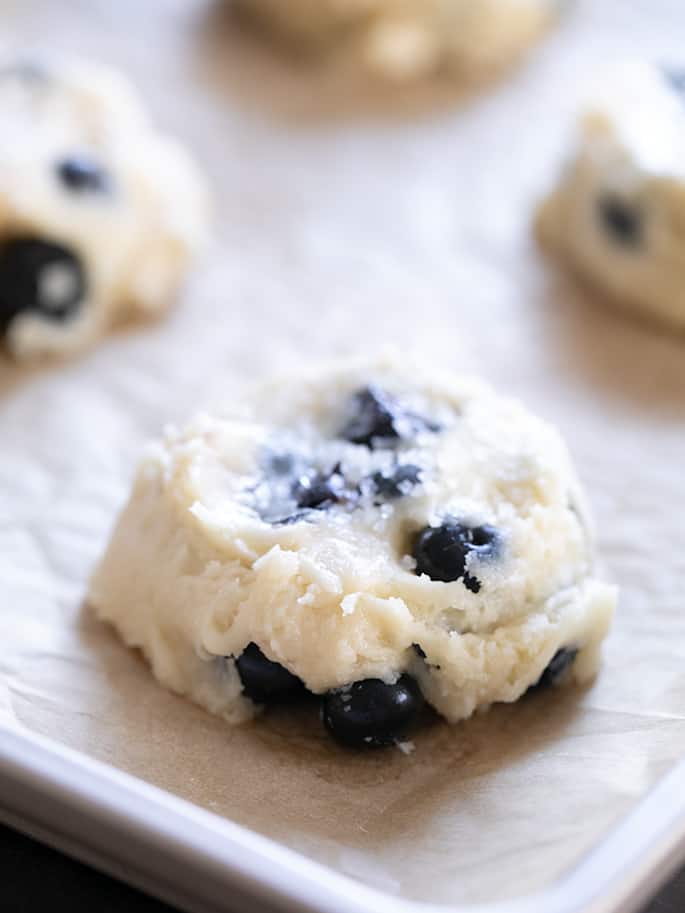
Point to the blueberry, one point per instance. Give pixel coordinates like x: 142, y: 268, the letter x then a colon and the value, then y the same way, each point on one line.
x: 319, y: 491
x: 29, y: 71
x: 675, y: 78
x: 378, y: 416
x: 83, y: 175
x: 374, y: 417
x: 621, y: 219
x: 265, y: 681
x: 281, y: 464
x: 396, y: 482
x: 289, y: 519
x: 557, y: 667
x: 441, y: 551
x: 39, y: 276
x: 371, y: 714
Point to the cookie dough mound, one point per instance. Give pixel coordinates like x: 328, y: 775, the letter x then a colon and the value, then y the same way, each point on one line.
x: 617, y: 217
x: 409, y: 38
x: 376, y: 533
x: 99, y: 213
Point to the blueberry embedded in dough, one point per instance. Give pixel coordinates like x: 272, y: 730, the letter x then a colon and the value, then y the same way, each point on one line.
x: 40, y: 277
x: 322, y: 476
x: 377, y: 419
x: 372, y: 713
x: 280, y: 464
x: 558, y: 668
x: 442, y: 552
x: 622, y: 219
x: 28, y: 71
x: 265, y: 681
x: 675, y: 79
x: 319, y: 491
x: 292, y: 487
x: 82, y: 174
x: 375, y: 416
x: 396, y: 482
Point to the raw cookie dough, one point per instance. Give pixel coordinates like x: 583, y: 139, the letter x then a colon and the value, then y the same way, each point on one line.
x: 99, y: 213
x: 617, y: 217
x: 383, y: 529
x: 410, y: 38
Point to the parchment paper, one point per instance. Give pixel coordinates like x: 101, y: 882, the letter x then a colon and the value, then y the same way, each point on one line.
x: 347, y: 217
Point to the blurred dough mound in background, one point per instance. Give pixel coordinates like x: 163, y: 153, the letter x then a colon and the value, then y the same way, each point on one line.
x: 404, y: 39
x: 617, y: 216
x: 99, y: 213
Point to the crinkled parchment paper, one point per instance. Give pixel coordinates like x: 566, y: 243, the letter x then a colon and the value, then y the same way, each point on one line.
x: 346, y: 220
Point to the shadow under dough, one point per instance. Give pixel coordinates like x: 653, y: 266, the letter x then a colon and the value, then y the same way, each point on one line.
x: 14, y: 374
x: 611, y: 348
x: 282, y: 776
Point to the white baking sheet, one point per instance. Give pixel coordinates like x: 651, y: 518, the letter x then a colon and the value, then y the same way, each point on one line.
x: 346, y: 219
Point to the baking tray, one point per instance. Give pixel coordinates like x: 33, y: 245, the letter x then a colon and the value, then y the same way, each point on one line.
x: 204, y: 864
x: 345, y: 219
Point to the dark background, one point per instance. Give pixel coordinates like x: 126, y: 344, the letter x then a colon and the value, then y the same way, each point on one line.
x: 35, y: 879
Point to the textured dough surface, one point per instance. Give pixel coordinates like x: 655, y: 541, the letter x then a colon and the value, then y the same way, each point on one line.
x: 134, y: 239
x: 406, y: 38
x: 208, y: 557
x: 630, y: 155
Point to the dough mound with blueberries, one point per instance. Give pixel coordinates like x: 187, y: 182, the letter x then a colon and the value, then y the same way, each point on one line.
x: 99, y: 213
x: 617, y: 217
x: 376, y: 533
x: 409, y: 38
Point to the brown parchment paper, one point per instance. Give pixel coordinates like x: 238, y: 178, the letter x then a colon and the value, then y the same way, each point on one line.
x: 347, y: 217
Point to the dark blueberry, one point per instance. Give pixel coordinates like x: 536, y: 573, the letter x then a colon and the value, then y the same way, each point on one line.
x: 374, y: 417
x: 621, y: 219
x: 83, y: 175
x: 371, y: 714
x: 290, y: 519
x: 441, y: 551
x: 319, y: 491
x: 265, y: 681
x: 675, y: 78
x: 281, y: 464
x: 557, y: 667
x: 396, y: 482
x: 39, y: 276
x: 26, y: 70
x: 378, y: 416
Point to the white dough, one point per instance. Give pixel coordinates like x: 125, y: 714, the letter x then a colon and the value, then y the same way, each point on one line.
x: 134, y: 239
x: 630, y: 156
x: 197, y: 567
x: 409, y: 38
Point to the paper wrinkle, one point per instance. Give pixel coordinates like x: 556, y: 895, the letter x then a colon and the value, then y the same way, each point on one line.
x: 319, y: 253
